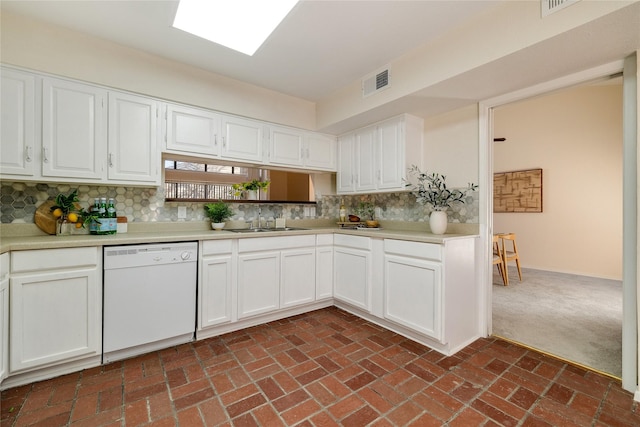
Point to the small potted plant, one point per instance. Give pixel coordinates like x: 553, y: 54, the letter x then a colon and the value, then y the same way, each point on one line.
x: 431, y: 189
x: 250, y: 188
x: 218, y: 212
x: 367, y: 211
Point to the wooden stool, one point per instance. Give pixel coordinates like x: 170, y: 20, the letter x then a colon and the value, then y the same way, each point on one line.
x: 498, y: 259
x: 512, y: 254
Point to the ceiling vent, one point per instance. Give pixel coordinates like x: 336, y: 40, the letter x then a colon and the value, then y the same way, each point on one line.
x: 376, y: 82
x: 547, y: 7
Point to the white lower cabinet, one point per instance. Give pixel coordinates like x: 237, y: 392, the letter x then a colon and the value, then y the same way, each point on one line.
x: 216, y: 281
x: 4, y: 315
x: 275, y: 273
x: 258, y: 283
x: 413, y: 294
x: 430, y: 291
x: 353, y: 270
x: 56, y: 309
x: 298, y: 276
x: 324, y: 266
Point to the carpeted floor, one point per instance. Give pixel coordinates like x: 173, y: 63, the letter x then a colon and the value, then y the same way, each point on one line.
x: 577, y: 318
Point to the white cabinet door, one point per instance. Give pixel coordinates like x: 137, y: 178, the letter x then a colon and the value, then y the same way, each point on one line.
x: 17, y: 127
x: 381, y: 156
x: 4, y: 315
x: 242, y: 139
x: 192, y: 130
x: 73, y: 130
x: 215, y: 304
x: 258, y: 283
x: 55, y: 317
x: 298, y: 276
x: 346, y: 164
x: 352, y: 272
x: 324, y: 272
x: 390, y: 155
x: 365, y: 146
x: 413, y: 294
x: 320, y: 152
x: 133, y: 132
x: 286, y: 146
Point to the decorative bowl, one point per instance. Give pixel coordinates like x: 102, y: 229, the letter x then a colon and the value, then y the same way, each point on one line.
x: 354, y: 218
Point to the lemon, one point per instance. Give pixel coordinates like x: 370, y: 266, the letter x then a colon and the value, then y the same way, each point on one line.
x: 57, y: 213
x: 78, y: 225
x: 72, y: 217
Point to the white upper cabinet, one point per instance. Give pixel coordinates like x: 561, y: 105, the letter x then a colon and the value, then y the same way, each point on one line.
x: 193, y: 131
x: 133, y: 134
x: 320, y: 151
x: 345, y: 179
x: 376, y: 158
x: 73, y: 130
x: 18, y: 137
x: 242, y: 139
x: 390, y: 162
x: 286, y: 146
x: 296, y: 148
x: 365, y: 146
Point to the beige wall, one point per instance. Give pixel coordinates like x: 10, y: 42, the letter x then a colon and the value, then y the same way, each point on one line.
x: 575, y: 136
x: 44, y: 47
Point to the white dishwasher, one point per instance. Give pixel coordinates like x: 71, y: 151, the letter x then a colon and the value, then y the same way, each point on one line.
x: 149, y: 298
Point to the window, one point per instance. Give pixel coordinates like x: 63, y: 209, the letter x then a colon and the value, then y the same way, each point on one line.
x: 196, y: 181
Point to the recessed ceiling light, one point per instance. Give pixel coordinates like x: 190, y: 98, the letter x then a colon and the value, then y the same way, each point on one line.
x: 242, y: 25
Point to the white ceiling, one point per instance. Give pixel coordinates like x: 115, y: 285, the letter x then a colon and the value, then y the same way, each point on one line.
x: 322, y: 45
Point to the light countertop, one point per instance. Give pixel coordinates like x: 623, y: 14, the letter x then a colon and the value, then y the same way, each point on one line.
x: 15, y: 237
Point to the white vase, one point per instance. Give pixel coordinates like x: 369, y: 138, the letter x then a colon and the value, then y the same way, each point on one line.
x: 217, y: 225
x: 252, y: 195
x: 438, y: 222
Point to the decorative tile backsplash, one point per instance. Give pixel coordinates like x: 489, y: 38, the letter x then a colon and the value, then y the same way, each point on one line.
x: 19, y: 201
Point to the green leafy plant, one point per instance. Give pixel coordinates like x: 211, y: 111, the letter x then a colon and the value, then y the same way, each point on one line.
x: 431, y: 189
x: 65, y: 204
x: 366, y: 210
x: 253, y: 185
x: 218, y: 211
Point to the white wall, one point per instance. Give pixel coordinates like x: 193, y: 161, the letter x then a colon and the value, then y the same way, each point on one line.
x: 508, y: 28
x: 451, y: 145
x: 575, y: 136
x: 44, y: 47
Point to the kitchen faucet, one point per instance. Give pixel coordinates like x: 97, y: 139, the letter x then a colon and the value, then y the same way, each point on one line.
x: 259, y: 219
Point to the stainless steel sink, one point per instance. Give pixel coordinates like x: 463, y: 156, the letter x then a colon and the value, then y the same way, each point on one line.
x: 264, y: 230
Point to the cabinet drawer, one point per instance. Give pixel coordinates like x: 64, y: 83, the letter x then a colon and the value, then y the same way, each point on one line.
x: 216, y: 247
x: 276, y: 243
x: 356, y: 242
x: 324, y: 239
x: 51, y: 259
x: 4, y: 265
x: 413, y: 249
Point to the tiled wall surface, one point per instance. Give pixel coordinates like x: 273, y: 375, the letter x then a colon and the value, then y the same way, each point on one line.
x: 18, y: 203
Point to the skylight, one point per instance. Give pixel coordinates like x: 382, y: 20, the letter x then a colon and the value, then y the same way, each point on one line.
x: 241, y: 25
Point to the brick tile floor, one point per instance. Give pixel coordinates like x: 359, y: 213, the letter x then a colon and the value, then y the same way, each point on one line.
x: 325, y: 368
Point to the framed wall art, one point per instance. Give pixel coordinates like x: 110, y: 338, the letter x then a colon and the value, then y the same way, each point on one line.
x: 517, y: 191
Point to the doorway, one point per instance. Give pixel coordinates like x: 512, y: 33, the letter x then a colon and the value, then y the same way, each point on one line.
x: 573, y: 245
x: 630, y: 342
